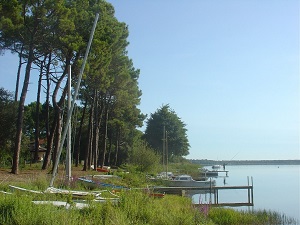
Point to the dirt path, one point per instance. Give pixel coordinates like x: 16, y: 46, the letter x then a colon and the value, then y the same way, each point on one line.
x: 26, y: 175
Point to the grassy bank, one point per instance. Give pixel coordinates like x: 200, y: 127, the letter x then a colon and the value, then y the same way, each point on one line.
x: 133, y: 207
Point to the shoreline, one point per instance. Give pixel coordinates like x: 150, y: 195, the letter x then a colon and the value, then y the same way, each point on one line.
x: 207, y: 162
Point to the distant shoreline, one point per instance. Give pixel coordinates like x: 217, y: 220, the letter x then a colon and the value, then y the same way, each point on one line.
x: 207, y: 162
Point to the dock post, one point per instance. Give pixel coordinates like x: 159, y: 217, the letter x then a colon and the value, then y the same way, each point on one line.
x: 248, y: 190
x: 252, y: 190
x: 215, y: 196
x: 210, y: 192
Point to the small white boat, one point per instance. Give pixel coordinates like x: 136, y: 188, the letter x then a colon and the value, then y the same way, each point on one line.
x: 52, y: 190
x: 188, y: 181
x: 216, y: 167
x: 165, y: 175
x: 208, y: 173
x: 102, y: 176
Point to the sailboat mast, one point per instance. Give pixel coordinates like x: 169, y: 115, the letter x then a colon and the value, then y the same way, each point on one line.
x: 54, y: 172
x: 164, y: 147
x: 68, y: 155
x: 167, y: 158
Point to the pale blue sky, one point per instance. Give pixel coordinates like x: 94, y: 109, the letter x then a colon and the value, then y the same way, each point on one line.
x: 229, y: 69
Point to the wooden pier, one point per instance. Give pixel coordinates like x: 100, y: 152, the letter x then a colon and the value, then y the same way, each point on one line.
x: 213, y: 192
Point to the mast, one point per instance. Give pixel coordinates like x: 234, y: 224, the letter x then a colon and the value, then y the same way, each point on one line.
x: 164, y: 149
x: 167, y: 158
x: 54, y: 172
x: 68, y: 155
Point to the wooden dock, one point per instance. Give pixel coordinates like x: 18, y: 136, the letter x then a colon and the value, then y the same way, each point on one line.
x: 213, y: 191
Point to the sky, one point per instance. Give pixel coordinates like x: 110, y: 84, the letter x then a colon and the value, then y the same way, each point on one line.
x: 229, y: 69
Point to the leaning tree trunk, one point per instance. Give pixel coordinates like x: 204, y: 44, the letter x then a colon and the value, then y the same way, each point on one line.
x: 50, y: 140
x: 59, y: 121
x: 58, y: 111
x: 59, y: 126
x: 18, y: 139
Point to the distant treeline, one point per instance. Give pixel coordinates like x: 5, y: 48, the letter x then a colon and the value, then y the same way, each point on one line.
x: 206, y: 162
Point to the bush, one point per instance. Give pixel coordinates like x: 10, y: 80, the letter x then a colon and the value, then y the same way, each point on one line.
x: 144, y: 158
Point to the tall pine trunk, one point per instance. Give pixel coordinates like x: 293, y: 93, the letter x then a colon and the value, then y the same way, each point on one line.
x: 18, y: 75
x: 18, y: 139
x: 105, y: 136
x: 117, y: 145
x: 88, y: 152
x: 78, y: 137
x: 95, y: 131
x: 46, y: 161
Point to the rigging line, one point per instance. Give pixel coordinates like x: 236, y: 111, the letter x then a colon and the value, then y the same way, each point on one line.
x: 234, y: 156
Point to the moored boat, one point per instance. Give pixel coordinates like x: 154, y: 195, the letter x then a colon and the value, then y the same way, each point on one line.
x: 188, y: 181
x: 216, y: 167
x: 208, y: 173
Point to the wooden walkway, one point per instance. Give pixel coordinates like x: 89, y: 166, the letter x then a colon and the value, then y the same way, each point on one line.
x: 213, y: 191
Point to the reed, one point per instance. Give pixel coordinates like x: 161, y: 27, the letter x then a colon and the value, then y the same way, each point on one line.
x: 134, y: 207
x: 226, y: 216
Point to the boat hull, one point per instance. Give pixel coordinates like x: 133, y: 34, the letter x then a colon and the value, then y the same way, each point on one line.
x: 178, y: 183
x: 209, y: 174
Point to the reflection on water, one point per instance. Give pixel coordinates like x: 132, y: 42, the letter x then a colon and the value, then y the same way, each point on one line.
x: 276, y: 188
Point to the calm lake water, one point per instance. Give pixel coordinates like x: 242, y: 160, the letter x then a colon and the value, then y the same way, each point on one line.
x: 276, y: 188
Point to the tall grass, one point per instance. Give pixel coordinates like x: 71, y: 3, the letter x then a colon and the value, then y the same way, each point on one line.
x: 226, y: 216
x: 133, y: 207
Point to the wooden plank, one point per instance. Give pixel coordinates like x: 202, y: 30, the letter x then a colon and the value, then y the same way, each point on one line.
x: 202, y: 188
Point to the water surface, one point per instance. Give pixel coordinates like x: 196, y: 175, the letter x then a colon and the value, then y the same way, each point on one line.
x: 276, y: 188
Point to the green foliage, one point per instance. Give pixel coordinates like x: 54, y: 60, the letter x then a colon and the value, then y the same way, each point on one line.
x: 53, y: 34
x: 30, y: 118
x: 176, y: 136
x: 144, y: 158
x: 10, y: 21
x: 184, y: 168
x: 7, y: 120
